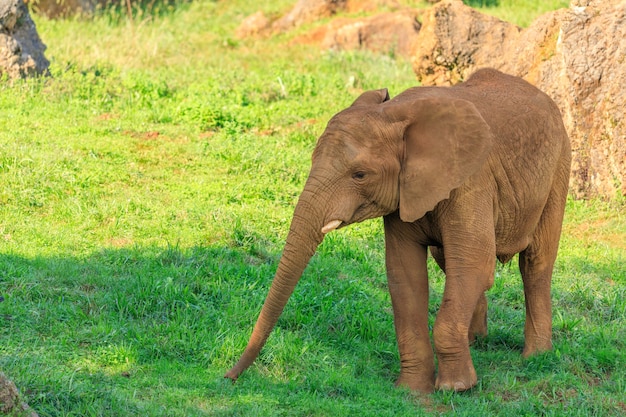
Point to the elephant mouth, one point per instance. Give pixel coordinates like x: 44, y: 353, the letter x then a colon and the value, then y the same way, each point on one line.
x: 332, y: 225
x: 362, y: 212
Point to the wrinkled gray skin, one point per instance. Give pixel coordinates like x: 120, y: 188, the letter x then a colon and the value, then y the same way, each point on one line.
x: 476, y: 172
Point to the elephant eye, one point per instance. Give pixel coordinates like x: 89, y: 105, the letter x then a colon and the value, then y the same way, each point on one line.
x: 359, y: 175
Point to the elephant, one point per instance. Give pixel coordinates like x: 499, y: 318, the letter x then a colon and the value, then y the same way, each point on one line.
x: 477, y: 172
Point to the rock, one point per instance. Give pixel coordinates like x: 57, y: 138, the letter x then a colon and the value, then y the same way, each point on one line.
x: 306, y: 11
x: 10, y: 402
x: 388, y: 33
x: 54, y: 9
x: 21, y: 49
x: 453, y: 39
x: 253, y: 25
x: 575, y: 55
x: 592, y: 61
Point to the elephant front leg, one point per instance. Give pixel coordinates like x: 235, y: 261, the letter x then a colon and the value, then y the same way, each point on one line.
x: 408, y: 285
x: 462, y: 314
x: 478, y: 326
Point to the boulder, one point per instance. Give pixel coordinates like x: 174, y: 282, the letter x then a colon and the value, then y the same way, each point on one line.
x: 307, y: 11
x: 575, y: 55
x: 54, y: 9
x: 255, y: 24
x: 453, y: 39
x: 586, y: 75
x: 21, y: 49
x: 10, y: 402
x: 388, y: 33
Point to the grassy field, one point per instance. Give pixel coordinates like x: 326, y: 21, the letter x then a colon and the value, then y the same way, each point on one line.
x: 145, y: 192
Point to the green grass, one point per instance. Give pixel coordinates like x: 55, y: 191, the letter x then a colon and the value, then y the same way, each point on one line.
x: 145, y: 192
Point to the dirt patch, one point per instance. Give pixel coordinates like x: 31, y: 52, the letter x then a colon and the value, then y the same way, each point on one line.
x: 598, y: 231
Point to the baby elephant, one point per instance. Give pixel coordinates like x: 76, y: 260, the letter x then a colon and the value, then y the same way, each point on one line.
x: 477, y: 171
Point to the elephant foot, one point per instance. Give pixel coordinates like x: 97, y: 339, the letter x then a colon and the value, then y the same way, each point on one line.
x: 456, y: 378
x: 538, y: 346
x: 423, y: 384
x: 458, y: 386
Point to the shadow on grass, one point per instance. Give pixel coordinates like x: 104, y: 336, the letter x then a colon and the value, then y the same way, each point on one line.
x: 137, y: 330
x: 80, y: 333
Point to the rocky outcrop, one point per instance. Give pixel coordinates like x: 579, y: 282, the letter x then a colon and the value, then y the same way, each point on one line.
x: 10, y: 402
x: 253, y: 25
x: 454, y: 38
x: 54, y: 9
x: 575, y: 55
x: 21, y: 49
x: 307, y: 11
x: 586, y: 75
x: 390, y: 33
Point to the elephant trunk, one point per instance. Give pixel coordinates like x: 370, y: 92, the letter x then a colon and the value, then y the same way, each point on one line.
x: 305, y: 235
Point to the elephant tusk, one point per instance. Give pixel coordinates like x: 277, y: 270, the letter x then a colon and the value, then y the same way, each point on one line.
x: 331, y: 226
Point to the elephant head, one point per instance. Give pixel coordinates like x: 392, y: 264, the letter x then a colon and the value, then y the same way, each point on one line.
x: 376, y: 157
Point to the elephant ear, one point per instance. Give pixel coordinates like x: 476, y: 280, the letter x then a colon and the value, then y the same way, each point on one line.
x: 446, y: 141
x: 371, y: 97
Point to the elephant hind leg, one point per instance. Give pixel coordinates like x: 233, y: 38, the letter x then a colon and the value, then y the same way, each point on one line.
x: 437, y: 253
x: 537, y: 276
x: 478, y: 325
x: 536, y: 263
